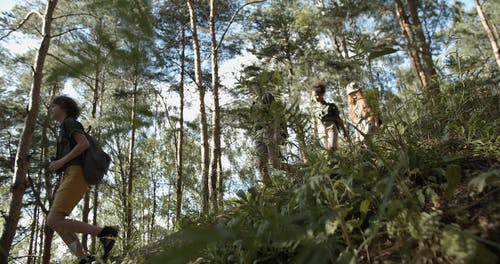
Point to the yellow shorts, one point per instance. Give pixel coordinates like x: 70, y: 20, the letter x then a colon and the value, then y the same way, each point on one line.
x: 71, y: 190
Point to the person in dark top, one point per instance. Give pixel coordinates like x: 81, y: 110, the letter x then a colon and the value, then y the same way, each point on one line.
x: 326, y: 117
x: 270, y: 132
x: 71, y: 143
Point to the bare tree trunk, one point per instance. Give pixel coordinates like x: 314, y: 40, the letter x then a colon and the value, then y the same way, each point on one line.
x: 86, y: 203
x: 33, y: 234
x: 180, y: 140
x: 489, y: 32
x: 153, y: 212
x: 131, y: 157
x: 47, y: 243
x: 48, y: 233
x: 85, y: 217
x: 413, y: 48
x: 205, y: 159
x: 97, y: 102
x: 22, y: 160
x: 425, y: 49
x: 95, y: 202
x: 221, y: 187
x: 216, y: 130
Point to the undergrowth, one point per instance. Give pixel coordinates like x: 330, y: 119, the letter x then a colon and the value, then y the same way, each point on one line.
x: 424, y: 191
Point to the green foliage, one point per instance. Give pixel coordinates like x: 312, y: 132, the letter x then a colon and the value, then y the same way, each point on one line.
x: 402, y: 199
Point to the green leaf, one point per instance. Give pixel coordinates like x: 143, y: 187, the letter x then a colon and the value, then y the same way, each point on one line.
x: 487, y: 178
x: 331, y: 226
x: 364, y: 207
x: 382, y: 52
x: 464, y: 248
x: 453, y: 175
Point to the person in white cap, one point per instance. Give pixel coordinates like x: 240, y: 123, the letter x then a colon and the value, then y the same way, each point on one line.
x: 362, y: 116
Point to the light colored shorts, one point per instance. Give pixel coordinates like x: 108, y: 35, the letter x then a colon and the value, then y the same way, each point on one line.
x: 71, y: 190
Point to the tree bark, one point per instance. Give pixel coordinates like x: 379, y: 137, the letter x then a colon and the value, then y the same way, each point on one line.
x: 489, y: 32
x: 131, y: 157
x: 48, y: 233
x: 22, y: 159
x: 95, y: 202
x: 85, y: 218
x: 221, y: 187
x: 205, y: 159
x: 424, y: 47
x: 216, y: 130
x: 418, y: 48
x: 180, y: 140
x: 86, y: 204
x: 97, y: 101
x: 33, y: 234
x: 47, y: 243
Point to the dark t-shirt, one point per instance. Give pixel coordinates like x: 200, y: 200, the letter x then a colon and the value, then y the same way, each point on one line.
x: 65, y: 141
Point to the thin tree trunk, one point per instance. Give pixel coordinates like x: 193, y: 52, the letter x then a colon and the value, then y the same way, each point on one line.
x: 216, y: 145
x: 47, y: 243
x: 424, y: 48
x: 221, y: 187
x: 180, y: 140
x: 153, y: 212
x: 33, y: 234
x: 85, y: 218
x: 22, y: 160
x: 97, y: 102
x: 205, y: 159
x: 413, y: 48
x: 48, y: 234
x: 86, y: 204
x: 131, y: 157
x: 489, y: 32
x: 95, y: 202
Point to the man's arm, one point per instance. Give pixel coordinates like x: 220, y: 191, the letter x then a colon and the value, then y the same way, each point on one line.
x: 81, y: 145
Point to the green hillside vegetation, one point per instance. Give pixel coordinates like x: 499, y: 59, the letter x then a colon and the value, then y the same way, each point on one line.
x: 426, y: 191
x: 190, y: 99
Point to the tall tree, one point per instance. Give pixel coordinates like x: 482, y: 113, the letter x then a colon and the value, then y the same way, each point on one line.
x: 131, y: 169
x: 490, y: 30
x: 205, y: 158
x: 180, y: 138
x: 280, y: 37
x: 216, y: 147
x: 22, y: 160
x: 418, y: 47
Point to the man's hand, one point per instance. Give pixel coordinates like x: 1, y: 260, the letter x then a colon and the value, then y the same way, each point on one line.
x: 55, y: 165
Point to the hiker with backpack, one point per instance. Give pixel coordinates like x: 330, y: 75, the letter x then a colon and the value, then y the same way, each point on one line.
x: 270, y: 133
x: 364, y: 119
x: 72, y: 143
x: 326, y: 119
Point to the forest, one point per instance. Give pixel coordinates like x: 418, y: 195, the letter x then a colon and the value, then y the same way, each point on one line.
x: 171, y: 91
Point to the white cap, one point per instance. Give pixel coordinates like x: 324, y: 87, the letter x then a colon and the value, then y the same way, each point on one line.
x: 352, y: 87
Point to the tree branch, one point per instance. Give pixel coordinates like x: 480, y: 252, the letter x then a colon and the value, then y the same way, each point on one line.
x: 84, y: 75
x: 22, y: 23
x: 67, y: 31
x: 38, y: 199
x: 232, y: 20
x: 75, y: 14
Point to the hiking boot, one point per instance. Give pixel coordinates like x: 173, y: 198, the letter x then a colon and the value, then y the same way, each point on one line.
x: 107, y: 237
x: 87, y: 259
